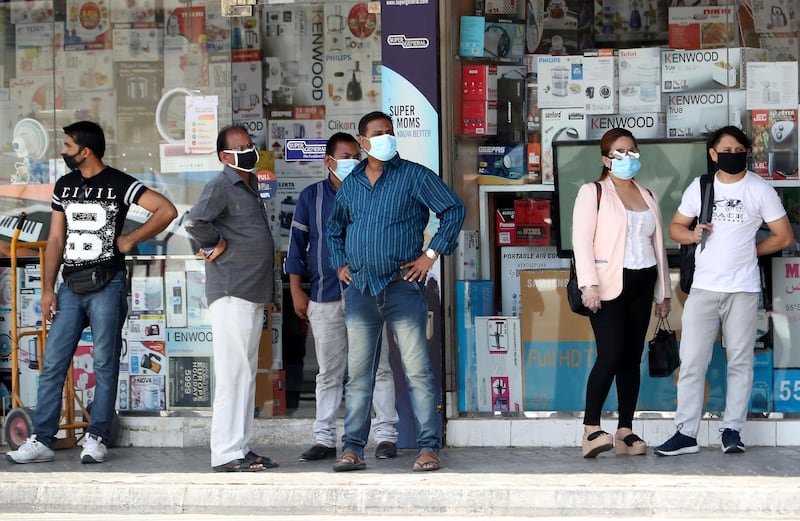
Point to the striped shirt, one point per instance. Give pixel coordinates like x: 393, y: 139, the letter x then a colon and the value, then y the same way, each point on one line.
x: 376, y: 229
x: 308, y: 249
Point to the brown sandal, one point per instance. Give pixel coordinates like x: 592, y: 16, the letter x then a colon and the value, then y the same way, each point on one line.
x: 427, y: 460
x: 349, y: 461
x: 629, y: 446
x: 597, y: 442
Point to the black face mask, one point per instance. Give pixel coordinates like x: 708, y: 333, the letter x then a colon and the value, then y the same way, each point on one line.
x: 246, y: 160
x: 732, y: 162
x: 71, y: 162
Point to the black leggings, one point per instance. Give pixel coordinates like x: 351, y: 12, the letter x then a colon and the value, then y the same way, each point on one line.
x: 620, y: 326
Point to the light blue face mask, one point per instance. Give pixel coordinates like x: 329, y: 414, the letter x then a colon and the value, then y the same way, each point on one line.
x: 625, y: 168
x: 382, y: 147
x: 344, y: 167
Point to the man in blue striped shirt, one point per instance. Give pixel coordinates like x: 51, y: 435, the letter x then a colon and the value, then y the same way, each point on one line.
x: 325, y: 309
x: 376, y: 234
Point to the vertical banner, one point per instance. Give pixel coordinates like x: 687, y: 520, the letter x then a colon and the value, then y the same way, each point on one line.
x: 410, y: 95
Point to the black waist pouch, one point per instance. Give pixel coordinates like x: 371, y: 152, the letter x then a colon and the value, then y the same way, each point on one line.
x: 90, y: 279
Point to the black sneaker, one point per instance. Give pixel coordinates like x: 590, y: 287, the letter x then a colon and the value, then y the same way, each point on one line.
x: 386, y: 450
x: 677, y: 445
x: 318, y: 452
x: 731, y: 442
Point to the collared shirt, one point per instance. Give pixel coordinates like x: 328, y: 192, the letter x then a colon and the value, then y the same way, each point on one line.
x: 231, y: 209
x: 376, y: 229
x: 307, y: 245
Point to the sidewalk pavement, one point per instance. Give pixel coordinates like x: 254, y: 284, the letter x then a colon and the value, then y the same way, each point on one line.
x: 764, y: 483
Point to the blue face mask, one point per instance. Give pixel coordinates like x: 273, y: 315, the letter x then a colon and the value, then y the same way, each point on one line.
x: 382, y: 147
x: 625, y: 168
x: 343, y: 167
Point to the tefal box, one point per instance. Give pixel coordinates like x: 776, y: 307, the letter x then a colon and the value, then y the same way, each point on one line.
x: 532, y: 222
x: 702, y: 27
x: 479, y: 82
x: 499, y: 364
x: 479, y: 117
x: 640, y: 80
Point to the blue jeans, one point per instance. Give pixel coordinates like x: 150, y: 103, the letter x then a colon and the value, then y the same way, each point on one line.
x: 105, y: 311
x: 402, y: 305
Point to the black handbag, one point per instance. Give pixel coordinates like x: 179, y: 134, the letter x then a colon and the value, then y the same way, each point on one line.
x: 574, y: 292
x: 663, y: 354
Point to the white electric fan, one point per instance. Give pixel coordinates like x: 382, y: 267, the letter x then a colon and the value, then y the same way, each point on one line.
x: 30, y: 145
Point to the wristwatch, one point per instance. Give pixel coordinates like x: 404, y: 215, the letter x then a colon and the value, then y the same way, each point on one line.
x: 431, y: 254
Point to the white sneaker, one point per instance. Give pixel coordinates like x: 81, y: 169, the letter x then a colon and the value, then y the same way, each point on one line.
x: 94, y: 450
x: 31, y: 451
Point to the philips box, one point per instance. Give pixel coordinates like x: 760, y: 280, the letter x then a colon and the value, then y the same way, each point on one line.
x: 499, y: 358
x: 588, y: 81
x: 473, y: 298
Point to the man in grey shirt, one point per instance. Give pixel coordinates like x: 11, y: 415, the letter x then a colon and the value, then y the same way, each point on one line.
x: 230, y: 223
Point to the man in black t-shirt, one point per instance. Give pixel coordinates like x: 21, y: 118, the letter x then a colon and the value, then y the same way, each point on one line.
x: 89, y: 208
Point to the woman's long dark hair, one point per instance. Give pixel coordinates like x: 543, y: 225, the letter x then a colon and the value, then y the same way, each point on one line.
x: 607, y: 140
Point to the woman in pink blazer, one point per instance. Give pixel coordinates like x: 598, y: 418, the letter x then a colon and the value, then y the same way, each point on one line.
x: 622, y: 268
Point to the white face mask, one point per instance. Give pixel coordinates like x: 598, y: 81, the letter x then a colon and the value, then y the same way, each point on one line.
x: 343, y: 167
x: 382, y: 147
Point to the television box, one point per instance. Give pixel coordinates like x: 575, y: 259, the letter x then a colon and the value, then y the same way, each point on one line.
x: 504, y: 161
x: 479, y: 118
x: 695, y: 114
x: 479, y: 81
x: 775, y: 142
x: 190, y: 382
x: 473, y: 298
x: 703, y: 27
x: 467, y: 255
x: 640, y: 80
x: 707, y: 69
x: 645, y: 125
x: 499, y: 364
x: 516, y: 259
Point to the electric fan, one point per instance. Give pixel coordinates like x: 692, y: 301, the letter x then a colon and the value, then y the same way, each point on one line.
x: 30, y: 144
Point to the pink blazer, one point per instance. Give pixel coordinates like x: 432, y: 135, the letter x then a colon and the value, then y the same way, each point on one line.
x: 598, y: 239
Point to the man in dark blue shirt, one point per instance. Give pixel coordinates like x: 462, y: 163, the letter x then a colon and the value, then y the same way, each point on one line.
x: 376, y: 235
x: 325, y: 309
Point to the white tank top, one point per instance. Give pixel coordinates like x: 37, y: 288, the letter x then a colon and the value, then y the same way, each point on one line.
x: 639, y: 251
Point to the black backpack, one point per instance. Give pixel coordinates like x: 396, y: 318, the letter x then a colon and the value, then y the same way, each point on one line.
x: 687, y: 251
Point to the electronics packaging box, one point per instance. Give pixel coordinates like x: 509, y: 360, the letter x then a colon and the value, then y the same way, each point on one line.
x: 468, y: 255
x: 511, y: 94
x: 189, y: 341
x: 703, y: 27
x: 196, y: 304
x: 534, y: 162
x: 559, y: 125
x: 149, y: 327
x: 772, y: 85
x: 532, y: 222
x: 148, y: 392
x: 695, y: 114
x: 707, y: 69
x: 504, y: 226
x: 588, y: 81
x: 494, y: 7
x: 514, y: 260
x: 473, y: 298
x: 29, y: 301
x: 499, y: 364
x: 776, y: 17
x: 123, y: 392
x: 470, y: 42
x: 147, y: 294
x: 479, y: 81
x: 504, y: 41
x: 506, y: 162
x: 640, y: 80
x: 622, y: 17
x: 190, y: 382
x: 775, y: 143
x: 479, y: 118
x: 147, y: 357
x: 175, y: 286
x: 644, y: 125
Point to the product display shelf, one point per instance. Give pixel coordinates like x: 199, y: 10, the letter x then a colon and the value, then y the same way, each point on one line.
x: 487, y: 243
